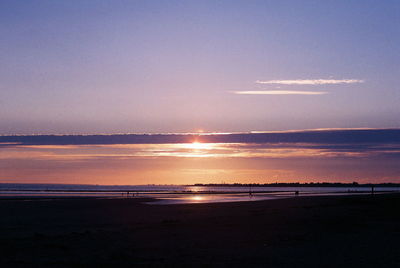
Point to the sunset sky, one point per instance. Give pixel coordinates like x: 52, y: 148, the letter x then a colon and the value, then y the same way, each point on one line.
x: 175, y: 66
x: 107, y: 67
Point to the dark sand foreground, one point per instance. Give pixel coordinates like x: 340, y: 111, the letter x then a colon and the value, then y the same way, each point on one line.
x: 341, y: 231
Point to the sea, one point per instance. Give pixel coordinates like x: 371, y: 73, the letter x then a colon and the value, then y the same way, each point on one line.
x: 176, y: 194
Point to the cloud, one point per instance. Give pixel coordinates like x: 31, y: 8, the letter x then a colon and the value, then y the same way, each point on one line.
x: 311, y: 81
x: 280, y: 92
x: 275, y: 149
x: 354, y: 137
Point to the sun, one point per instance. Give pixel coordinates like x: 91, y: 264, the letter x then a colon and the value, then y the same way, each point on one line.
x: 197, y: 149
x: 197, y: 145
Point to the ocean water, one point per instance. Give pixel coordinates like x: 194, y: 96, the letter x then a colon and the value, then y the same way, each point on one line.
x: 175, y: 194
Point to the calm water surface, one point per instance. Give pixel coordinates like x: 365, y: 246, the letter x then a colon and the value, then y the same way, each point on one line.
x: 175, y: 194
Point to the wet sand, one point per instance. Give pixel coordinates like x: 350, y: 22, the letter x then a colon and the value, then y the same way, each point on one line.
x: 325, y: 231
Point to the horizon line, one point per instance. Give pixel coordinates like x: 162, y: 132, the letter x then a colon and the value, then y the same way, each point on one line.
x: 204, y: 184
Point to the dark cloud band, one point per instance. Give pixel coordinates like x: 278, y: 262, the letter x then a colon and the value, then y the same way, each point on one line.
x: 342, y: 136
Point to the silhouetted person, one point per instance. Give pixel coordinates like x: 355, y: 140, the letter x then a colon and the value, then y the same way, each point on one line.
x: 296, y: 193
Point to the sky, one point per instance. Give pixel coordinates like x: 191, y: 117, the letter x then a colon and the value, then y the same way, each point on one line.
x: 335, y: 155
x: 73, y: 67
x: 302, y: 90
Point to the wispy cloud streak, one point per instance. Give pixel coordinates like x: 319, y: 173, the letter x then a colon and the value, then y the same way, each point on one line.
x: 311, y: 81
x: 279, y: 92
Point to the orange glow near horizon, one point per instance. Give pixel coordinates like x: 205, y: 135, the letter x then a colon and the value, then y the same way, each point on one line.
x: 196, y: 162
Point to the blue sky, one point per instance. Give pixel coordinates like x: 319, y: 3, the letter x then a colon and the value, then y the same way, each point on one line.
x: 178, y: 66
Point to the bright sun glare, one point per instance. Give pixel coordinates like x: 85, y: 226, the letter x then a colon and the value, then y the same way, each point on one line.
x: 198, y: 146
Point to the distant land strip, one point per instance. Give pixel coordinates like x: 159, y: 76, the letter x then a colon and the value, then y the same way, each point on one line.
x: 300, y: 184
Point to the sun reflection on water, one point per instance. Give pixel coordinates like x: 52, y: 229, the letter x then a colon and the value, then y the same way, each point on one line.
x: 197, y: 198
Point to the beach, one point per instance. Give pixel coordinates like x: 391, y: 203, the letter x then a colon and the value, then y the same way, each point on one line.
x: 315, y: 231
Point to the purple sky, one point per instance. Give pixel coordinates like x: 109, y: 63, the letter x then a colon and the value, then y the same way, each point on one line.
x: 92, y: 67
x: 179, y: 66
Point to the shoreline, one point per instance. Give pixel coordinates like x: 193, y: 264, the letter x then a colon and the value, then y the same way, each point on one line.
x: 174, y: 198
x: 306, y: 231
